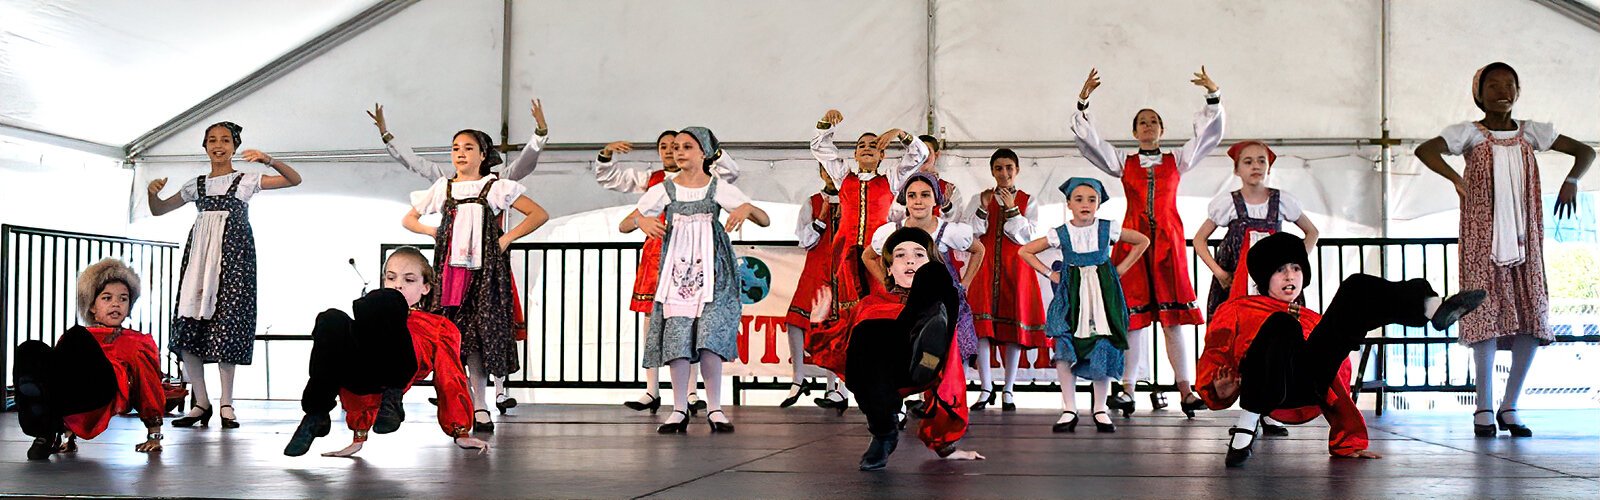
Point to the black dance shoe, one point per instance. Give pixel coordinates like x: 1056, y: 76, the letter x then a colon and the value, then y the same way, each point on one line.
x: 1482, y: 430
x: 311, y: 427
x: 719, y: 427
x: 1121, y: 401
x: 1237, y: 456
x: 1456, y: 306
x: 1273, y: 430
x: 1517, y: 430
x: 1070, y: 426
x: 653, y: 405
x: 204, y: 419
x: 1106, y: 426
x: 482, y: 426
x: 1008, y: 405
x: 679, y: 427
x: 228, y: 423
x: 789, y: 401
x: 984, y: 402
x: 505, y: 404
x: 1158, y: 400
x: 391, y: 412
x: 696, y: 404
x: 840, y: 405
x: 1189, y: 406
x: 877, y: 455
x: 44, y: 447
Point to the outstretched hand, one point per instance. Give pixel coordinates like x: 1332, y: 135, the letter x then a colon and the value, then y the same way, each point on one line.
x: 538, y: 115
x: 377, y: 118
x: 1204, y: 80
x: 821, y: 305
x: 1089, y: 84
x: 611, y: 149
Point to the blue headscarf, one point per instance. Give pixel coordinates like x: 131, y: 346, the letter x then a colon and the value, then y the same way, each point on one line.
x: 707, y: 141
x: 938, y: 194
x: 1073, y: 183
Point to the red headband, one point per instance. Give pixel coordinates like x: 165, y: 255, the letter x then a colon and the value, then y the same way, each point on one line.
x: 1238, y: 148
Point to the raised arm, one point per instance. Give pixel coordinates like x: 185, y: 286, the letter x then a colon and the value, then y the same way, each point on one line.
x: 528, y: 159
x: 724, y: 167
x: 1100, y: 153
x: 287, y: 176
x: 403, y: 153
x: 1020, y: 223
x: 161, y: 206
x: 822, y: 147
x: 615, y: 178
x: 1208, y: 125
x: 916, y: 153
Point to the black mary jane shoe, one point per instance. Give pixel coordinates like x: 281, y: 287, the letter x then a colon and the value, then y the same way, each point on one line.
x: 482, y: 426
x: 1121, y: 401
x: 1273, y: 430
x: 790, y: 401
x: 204, y: 419
x: 1482, y: 430
x: 840, y: 406
x: 1237, y: 456
x: 877, y: 455
x: 679, y: 427
x: 984, y: 402
x: 1517, y: 430
x: 1456, y: 306
x: 507, y: 404
x: 696, y: 404
x: 719, y: 427
x: 653, y: 405
x: 311, y: 427
x: 1104, y: 427
x: 1070, y: 426
x: 229, y: 423
x: 1190, y: 406
x: 1008, y: 405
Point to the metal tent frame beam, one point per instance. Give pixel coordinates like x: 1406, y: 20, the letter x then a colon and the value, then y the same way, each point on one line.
x: 267, y: 74
x: 1577, y: 11
x: 43, y: 137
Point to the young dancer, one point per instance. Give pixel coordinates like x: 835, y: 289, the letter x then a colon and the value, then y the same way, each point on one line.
x: 524, y: 164
x: 901, y: 342
x: 371, y: 360
x: 1007, y: 308
x: 470, y: 258
x: 1157, y: 287
x: 815, y: 229
x: 1250, y: 213
x: 696, y: 314
x: 1087, y: 318
x: 1277, y: 358
x: 1502, y: 234
x: 921, y: 198
x: 632, y: 180
x: 93, y: 373
x: 216, y: 317
x: 865, y: 200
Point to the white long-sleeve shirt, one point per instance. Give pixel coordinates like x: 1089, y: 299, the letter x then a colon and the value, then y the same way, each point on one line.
x: 807, y: 229
x: 1018, y: 228
x: 635, y: 180
x: 520, y: 167
x: 827, y: 154
x: 1208, y: 130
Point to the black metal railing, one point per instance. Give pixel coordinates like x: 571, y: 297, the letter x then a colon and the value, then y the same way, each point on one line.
x: 38, y: 282
x: 581, y: 333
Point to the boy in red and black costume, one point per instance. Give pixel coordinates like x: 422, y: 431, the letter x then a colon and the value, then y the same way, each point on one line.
x: 73, y: 389
x: 1279, y: 359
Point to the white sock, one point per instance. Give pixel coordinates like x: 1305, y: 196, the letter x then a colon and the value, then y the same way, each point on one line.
x: 1069, y: 387
x: 226, y: 372
x: 1180, y: 352
x: 477, y: 384
x: 1483, y: 379
x: 1135, y: 358
x: 1098, y: 402
x: 1248, y: 421
x: 1430, y: 305
x: 711, y: 371
x: 985, y: 362
x: 681, y: 373
x: 1523, y: 347
x: 194, y: 370
x: 1013, y: 360
x: 652, y: 382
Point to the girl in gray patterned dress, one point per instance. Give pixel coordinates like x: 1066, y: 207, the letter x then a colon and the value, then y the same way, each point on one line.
x: 696, y: 314
x: 470, y: 258
x: 216, y: 317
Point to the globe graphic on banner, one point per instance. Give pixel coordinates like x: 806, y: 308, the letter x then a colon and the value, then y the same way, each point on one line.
x: 755, y: 279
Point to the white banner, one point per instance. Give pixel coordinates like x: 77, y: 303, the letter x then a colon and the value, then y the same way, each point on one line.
x: 769, y: 275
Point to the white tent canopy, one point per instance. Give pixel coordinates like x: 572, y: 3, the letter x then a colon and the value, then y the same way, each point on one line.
x: 1310, y: 76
